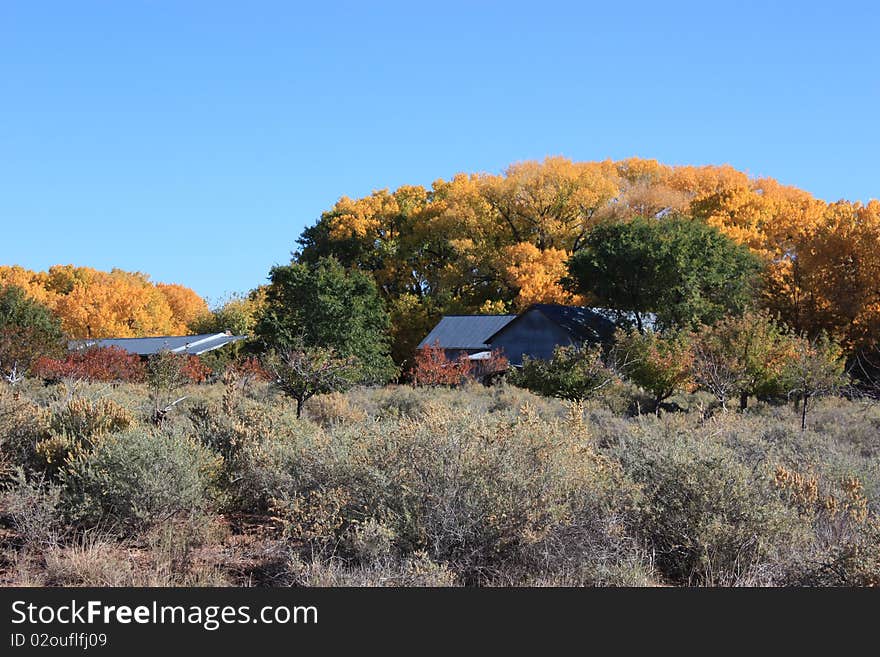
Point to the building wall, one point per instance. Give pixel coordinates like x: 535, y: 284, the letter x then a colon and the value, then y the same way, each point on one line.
x: 533, y: 335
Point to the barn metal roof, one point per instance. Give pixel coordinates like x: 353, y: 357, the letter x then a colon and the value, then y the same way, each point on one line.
x: 179, y: 344
x: 582, y: 324
x: 465, y: 331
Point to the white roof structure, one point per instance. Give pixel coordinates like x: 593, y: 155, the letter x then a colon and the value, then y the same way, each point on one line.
x: 194, y: 345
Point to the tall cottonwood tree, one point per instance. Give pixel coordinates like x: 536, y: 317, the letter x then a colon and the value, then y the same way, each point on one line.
x: 97, y: 304
x: 476, y: 242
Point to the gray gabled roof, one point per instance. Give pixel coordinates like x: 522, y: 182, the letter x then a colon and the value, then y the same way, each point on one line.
x: 465, y: 331
x: 179, y: 344
x: 582, y: 324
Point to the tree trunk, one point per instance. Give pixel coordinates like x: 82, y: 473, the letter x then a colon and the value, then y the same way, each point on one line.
x: 299, y: 408
x: 743, y: 401
x: 804, y: 413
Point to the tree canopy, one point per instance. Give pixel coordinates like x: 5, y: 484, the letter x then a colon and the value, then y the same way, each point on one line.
x: 28, y: 330
x: 115, y: 304
x: 322, y: 304
x: 684, y: 271
x: 496, y: 243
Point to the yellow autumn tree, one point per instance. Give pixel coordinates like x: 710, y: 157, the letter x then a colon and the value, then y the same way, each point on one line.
x: 97, y: 304
x: 535, y: 274
x: 186, y: 305
x: 499, y: 240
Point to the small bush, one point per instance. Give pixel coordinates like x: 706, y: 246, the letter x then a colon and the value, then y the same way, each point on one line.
x: 76, y: 426
x: 33, y: 507
x: 83, y: 419
x: 573, y: 373
x: 334, y: 408
x: 140, y: 478
x: 433, y: 368
x: 710, y: 518
x: 111, y: 364
x: 22, y: 425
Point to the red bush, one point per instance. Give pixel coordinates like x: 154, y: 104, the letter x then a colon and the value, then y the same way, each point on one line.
x: 433, y: 368
x: 94, y: 364
x: 251, y: 368
x: 487, y: 369
x: 195, y: 370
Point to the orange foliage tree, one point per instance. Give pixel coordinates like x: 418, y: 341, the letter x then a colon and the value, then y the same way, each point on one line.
x: 97, y: 304
x: 480, y: 240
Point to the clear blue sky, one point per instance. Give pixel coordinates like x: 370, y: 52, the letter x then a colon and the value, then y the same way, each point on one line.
x: 194, y: 140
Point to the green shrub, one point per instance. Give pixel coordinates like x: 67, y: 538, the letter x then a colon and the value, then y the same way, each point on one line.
x: 22, y: 425
x: 479, y: 493
x: 140, y: 478
x: 573, y: 373
x: 709, y: 518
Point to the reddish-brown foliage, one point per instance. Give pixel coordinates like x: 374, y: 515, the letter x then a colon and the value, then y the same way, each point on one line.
x: 95, y: 364
x: 250, y: 368
x: 487, y: 369
x: 195, y: 370
x: 433, y: 368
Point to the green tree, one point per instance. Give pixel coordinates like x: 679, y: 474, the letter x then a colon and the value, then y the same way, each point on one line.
x: 323, y: 305
x: 303, y: 372
x: 742, y: 355
x: 658, y: 362
x: 28, y: 330
x: 685, y: 271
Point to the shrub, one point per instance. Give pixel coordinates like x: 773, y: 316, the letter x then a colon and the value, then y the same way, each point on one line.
x: 573, y: 373
x: 110, y: 364
x: 195, y: 370
x: 334, y: 408
x: 140, y: 478
x: 77, y: 425
x: 22, y: 425
x: 82, y: 419
x: 709, y: 518
x: 478, y: 493
x: 658, y: 362
x: 433, y: 368
x: 33, y: 507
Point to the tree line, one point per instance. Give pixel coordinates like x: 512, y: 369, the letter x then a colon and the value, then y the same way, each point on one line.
x: 667, y: 248
x: 497, y: 243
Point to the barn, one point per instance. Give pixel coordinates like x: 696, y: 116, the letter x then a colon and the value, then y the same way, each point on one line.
x: 465, y: 334
x: 535, y: 332
x: 542, y: 327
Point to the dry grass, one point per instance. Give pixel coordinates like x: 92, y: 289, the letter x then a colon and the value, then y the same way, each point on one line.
x: 398, y: 486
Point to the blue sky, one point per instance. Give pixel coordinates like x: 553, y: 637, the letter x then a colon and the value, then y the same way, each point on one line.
x: 194, y: 140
